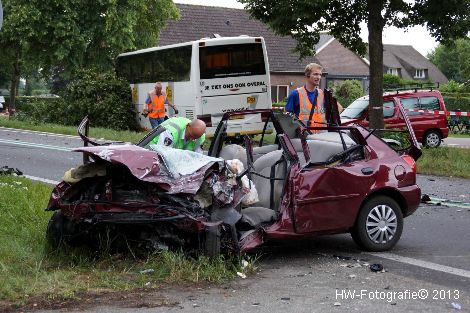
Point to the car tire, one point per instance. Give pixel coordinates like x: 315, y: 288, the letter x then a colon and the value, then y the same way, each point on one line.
x: 60, y: 230
x: 212, y: 241
x: 379, y: 224
x: 432, y: 139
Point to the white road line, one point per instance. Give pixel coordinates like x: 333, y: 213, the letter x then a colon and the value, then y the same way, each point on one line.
x: 21, y: 131
x: 42, y: 180
x: 34, y: 145
x: 421, y: 263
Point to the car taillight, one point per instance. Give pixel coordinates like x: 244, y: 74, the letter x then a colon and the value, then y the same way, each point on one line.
x: 411, y: 162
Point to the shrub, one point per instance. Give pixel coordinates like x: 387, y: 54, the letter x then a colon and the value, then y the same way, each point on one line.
x: 390, y: 79
x: 348, y: 91
x: 452, y: 86
x: 101, y: 96
x: 104, y: 98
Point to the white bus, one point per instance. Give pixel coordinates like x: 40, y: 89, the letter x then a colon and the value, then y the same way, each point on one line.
x: 204, y: 79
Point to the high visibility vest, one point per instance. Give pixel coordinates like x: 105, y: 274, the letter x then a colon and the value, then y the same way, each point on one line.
x: 156, y: 107
x: 176, y: 126
x: 318, y: 116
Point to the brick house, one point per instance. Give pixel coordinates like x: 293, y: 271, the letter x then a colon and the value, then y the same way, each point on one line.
x: 341, y: 63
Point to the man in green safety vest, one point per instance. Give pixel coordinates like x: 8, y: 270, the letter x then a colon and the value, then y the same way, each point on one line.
x: 181, y: 133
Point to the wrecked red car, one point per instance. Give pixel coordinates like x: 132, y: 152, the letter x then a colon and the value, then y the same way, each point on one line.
x: 288, y: 183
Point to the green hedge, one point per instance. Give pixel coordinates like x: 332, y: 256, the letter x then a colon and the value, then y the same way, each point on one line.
x: 101, y: 96
x: 456, y: 102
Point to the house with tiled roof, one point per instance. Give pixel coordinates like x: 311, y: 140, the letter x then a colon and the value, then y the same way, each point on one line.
x: 286, y: 71
x: 407, y: 63
x: 198, y: 21
x: 341, y: 63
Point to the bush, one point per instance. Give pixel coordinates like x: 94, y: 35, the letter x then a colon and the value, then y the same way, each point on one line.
x: 453, y: 87
x: 105, y: 98
x: 390, y: 79
x: 348, y: 91
x: 394, y: 82
x: 101, y: 96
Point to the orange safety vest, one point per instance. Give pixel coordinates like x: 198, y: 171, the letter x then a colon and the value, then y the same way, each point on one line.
x: 318, y: 116
x: 156, y: 108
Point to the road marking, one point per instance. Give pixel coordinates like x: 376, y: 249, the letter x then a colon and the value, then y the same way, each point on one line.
x: 42, y: 180
x: 21, y: 131
x: 421, y: 263
x: 34, y: 145
x: 447, y: 202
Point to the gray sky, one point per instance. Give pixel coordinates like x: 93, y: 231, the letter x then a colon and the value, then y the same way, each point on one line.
x: 418, y: 36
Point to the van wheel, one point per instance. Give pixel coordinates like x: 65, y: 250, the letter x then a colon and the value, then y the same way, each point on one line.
x: 379, y: 224
x: 432, y: 139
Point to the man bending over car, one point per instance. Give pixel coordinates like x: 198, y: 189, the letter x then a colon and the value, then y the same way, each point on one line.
x: 182, y: 133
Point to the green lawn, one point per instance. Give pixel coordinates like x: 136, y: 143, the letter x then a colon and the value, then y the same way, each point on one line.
x: 445, y: 161
x: 28, y: 268
x: 459, y: 135
x: 109, y: 134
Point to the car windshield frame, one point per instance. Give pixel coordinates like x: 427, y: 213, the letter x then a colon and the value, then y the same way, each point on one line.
x: 358, y: 107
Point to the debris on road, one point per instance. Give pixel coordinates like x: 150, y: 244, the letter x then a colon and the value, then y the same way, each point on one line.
x: 5, y: 170
x: 241, y: 275
x: 376, y: 267
x: 456, y: 306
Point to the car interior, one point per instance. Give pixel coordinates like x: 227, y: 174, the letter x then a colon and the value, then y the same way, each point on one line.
x: 267, y: 164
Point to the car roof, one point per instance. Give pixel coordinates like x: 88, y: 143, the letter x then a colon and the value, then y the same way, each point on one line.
x: 405, y: 93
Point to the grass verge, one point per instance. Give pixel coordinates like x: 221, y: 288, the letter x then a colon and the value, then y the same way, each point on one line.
x: 459, y: 135
x: 108, y: 134
x: 445, y: 161
x: 28, y: 269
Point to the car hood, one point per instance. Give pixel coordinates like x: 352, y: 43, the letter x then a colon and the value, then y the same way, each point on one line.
x: 150, y: 166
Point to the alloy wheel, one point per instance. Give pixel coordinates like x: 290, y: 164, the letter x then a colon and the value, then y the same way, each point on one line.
x: 381, y: 224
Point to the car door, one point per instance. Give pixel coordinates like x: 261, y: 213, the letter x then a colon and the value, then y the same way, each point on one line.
x: 327, y: 198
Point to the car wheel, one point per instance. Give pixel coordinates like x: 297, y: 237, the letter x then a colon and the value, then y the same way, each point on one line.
x: 212, y: 241
x: 432, y: 139
x: 60, y: 230
x: 379, y: 224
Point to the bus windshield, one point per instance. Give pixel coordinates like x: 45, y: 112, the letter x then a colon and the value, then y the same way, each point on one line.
x: 231, y: 60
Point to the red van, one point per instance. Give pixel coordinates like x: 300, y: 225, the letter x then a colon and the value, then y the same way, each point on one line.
x: 429, y: 128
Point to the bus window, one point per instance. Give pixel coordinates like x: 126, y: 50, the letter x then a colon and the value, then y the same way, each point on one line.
x: 231, y: 60
x: 172, y: 64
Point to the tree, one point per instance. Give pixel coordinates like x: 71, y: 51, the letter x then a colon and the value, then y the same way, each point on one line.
x: 75, y: 34
x: 453, y: 59
x: 304, y: 19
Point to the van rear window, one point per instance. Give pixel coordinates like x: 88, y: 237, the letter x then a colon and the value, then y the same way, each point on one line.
x: 410, y: 103
x: 429, y: 103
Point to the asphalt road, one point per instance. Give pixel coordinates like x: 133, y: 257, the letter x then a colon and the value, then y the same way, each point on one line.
x: 456, y: 142
x: 312, y: 276
x: 39, y: 154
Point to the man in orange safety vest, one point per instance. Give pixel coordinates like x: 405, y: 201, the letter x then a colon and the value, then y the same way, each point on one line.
x: 155, y: 102
x: 301, y: 100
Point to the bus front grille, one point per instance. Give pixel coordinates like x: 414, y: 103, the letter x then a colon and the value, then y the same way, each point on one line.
x: 190, y: 114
